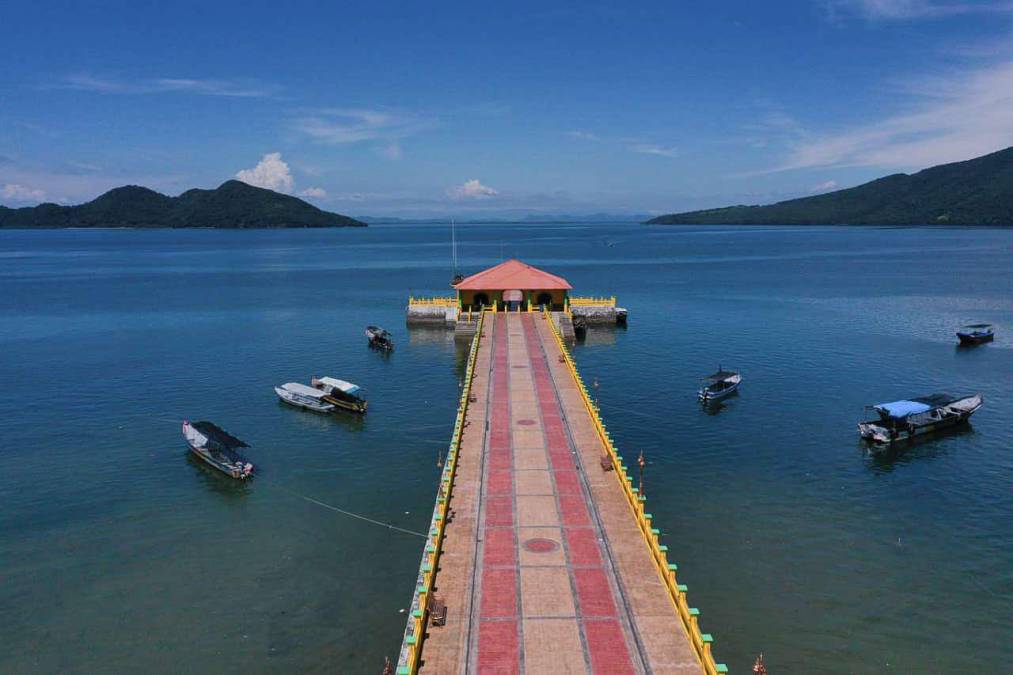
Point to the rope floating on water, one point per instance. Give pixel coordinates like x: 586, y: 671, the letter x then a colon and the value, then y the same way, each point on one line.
x: 347, y: 513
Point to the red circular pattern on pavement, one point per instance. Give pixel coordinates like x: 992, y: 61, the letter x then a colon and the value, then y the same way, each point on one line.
x: 525, y: 423
x: 539, y: 545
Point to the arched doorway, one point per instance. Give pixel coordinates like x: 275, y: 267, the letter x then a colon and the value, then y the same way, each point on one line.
x: 513, y: 300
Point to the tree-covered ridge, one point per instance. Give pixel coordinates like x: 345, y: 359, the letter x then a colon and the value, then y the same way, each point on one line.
x: 976, y: 192
x: 234, y: 204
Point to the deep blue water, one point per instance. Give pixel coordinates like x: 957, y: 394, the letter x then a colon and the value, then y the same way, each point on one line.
x: 117, y: 552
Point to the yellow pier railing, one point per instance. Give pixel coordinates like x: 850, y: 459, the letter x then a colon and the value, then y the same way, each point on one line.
x: 585, y: 301
x: 415, y: 630
x: 702, y: 642
x: 437, y: 301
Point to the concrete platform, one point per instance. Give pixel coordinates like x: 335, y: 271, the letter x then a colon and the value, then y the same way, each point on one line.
x: 544, y: 568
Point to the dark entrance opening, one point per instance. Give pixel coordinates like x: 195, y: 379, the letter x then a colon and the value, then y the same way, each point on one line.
x: 480, y: 300
x: 544, y: 299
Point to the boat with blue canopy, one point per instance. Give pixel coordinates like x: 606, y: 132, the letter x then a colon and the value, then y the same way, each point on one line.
x: 907, y: 418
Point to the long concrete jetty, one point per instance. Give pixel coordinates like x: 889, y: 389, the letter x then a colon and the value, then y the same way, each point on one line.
x: 542, y: 557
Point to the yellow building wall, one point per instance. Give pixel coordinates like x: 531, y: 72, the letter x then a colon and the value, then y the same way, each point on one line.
x: 467, y: 298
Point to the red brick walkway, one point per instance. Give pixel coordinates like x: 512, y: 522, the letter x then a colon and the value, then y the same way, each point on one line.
x: 544, y: 568
x: 547, y: 600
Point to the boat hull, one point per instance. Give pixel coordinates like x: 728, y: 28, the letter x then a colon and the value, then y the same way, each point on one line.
x: 974, y: 338
x: 352, y: 406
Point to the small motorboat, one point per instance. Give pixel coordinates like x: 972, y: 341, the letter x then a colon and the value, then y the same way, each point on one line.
x: 719, y: 385
x: 905, y: 419
x: 976, y: 333
x: 379, y: 338
x: 302, y: 396
x: 340, y: 393
x: 217, y: 448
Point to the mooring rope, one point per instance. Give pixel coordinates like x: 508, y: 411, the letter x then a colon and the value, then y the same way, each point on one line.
x: 350, y: 514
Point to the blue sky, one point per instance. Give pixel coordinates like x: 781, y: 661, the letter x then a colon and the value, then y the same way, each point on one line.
x: 497, y: 108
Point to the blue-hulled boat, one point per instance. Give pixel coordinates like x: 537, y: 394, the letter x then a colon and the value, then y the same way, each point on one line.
x: 976, y: 333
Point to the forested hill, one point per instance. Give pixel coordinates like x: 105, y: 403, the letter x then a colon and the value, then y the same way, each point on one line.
x: 976, y: 192
x: 234, y: 204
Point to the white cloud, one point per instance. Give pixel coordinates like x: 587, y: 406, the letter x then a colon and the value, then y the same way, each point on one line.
x: 471, y: 189
x: 161, y: 85
x: 315, y: 192
x: 631, y: 144
x: 20, y: 193
x: 356, y: 125
x: 915, y: 9
x: 825, y: 186
x: 654, y: 149
x: 583, y: 135
x: 952, y: 118
x: 271, y: 173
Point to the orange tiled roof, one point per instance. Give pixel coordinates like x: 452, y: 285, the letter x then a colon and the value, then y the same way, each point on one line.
x: 513, y: 275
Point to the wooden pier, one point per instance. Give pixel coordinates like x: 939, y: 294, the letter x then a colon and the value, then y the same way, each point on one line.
x: 542, y: 557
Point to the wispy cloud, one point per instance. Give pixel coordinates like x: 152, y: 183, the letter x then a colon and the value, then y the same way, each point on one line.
x: 360, y: 125
x: 20, y: 193
x: 314, y: 192
x: 471, y: 189
x: 630, y: 144
x: 271, y: 172
x: 952, y: 118
x: 163, y: 85
x: 654, y: 149
x: 825, y: 186
x: 913, y: 9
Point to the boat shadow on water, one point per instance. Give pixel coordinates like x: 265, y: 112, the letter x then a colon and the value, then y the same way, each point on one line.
x: 900, y: 453
x: 351, y: 421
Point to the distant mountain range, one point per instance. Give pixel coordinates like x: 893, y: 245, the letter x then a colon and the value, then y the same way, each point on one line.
x: 233, y: 205
x: 526, y: 219
x: 976, y: 192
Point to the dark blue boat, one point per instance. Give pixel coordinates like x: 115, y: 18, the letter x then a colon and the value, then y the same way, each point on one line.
x: 975, y: 334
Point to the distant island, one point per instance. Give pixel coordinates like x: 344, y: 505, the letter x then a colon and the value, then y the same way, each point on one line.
x: 233, y: 205
x: 976, y: 192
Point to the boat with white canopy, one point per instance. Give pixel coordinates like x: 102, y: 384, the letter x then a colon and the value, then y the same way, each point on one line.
x: 302, y: 396
x: 719, y: 384
x: 907, y: 418
x: 340, y: 393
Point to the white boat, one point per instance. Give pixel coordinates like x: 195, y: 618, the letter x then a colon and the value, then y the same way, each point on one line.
x: 302, y: 396
x: 719, y: 385
x: 342, y: 394
x: 217, y: 448
x: 901, y: 420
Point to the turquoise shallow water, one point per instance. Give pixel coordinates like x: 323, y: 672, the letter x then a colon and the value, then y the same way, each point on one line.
x: 117, y: 552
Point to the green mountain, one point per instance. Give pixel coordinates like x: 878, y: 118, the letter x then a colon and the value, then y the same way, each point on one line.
x: 234, y: 204
x: 976, y: 192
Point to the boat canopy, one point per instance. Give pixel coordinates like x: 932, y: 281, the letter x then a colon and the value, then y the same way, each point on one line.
x: 901, y: 409
x: 303, y: 390
x: 215, y: 433
x: 919, y: 404
x: 340, y: 385
x: 978, y: 325
x: 721, y: 375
